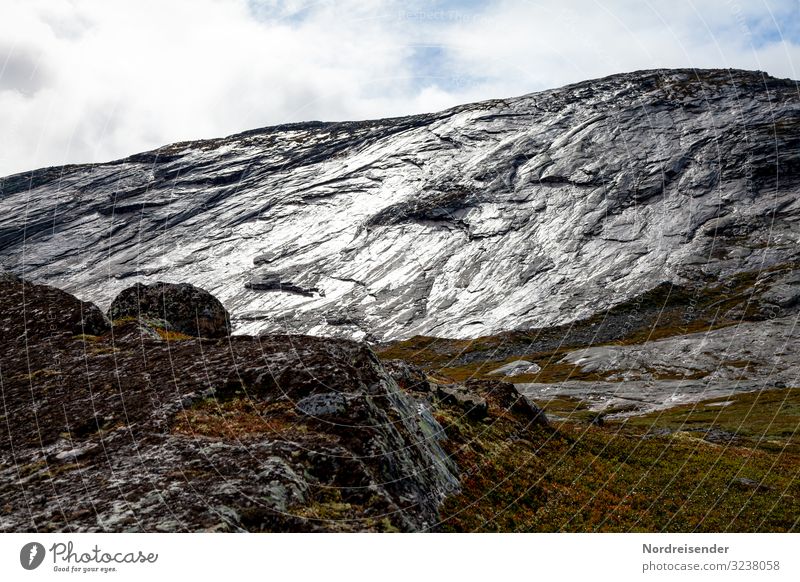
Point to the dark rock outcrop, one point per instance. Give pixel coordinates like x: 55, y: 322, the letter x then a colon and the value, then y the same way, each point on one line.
x: 473, y: 405
x: 408, y: 376
x: 125, y: 432
x: 184, y: 307
x: 510, y: 398
x: 519, y: 213
x: 34, y: 312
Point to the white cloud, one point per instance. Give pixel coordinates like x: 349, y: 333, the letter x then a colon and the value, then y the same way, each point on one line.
x: 522, y: 46
x: 91, y: 80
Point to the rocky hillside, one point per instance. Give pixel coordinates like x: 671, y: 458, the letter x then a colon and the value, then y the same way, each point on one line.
x: 134, y: 425
x: 508, y: 214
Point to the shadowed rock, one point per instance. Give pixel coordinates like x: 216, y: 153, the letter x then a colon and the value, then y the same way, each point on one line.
x: 474, y: 406
x: 509, y: 398
x: 408, y: 376
x: 37, y: 311
x: 184, y: 307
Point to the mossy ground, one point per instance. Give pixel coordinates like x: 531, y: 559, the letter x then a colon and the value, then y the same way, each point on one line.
x: 158, y: 326
x: 237, y: 419
x: 576, y: 476
x: 768, y: 420
x: 171, y: 335
x: 657, y: 472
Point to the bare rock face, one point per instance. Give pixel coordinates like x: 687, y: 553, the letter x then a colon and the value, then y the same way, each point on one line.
x: 687, y: 368
x: 527, y: 212
x: 516, y: 368
x: 124, y: 432
x: 183, y: 307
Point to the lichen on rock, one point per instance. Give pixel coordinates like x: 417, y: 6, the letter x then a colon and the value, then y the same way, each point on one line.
x: 268, y: 433
x: 184, y: 307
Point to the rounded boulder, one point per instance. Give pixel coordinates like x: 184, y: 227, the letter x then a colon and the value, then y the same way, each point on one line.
x: 185, y: 308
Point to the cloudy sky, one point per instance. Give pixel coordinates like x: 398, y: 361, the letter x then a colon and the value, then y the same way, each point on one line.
x: 94, y: 80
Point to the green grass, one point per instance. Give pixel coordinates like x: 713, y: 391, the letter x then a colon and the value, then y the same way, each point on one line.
x: 579, y: 477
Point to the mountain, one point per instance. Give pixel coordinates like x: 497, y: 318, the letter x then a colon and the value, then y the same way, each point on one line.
x: 248, y: 430
x: 580, y: 309
x: 507, y: 214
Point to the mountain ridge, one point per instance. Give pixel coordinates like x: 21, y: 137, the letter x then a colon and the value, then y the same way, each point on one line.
x: 504, y: 214
x: 765, y: 77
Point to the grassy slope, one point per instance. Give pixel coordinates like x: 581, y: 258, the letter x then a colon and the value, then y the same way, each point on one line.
x: 649, y: 473
x: 580, y: 477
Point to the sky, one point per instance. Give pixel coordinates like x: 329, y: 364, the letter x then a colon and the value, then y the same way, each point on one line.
x: 96, y: 80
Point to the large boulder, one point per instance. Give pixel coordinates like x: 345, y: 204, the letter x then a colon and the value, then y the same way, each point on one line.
x: 29, y: 311
x: 183, y: 307
x: 509, y: 398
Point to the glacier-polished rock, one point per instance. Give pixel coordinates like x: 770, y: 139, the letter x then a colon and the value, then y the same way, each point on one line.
x: 514, y: 213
